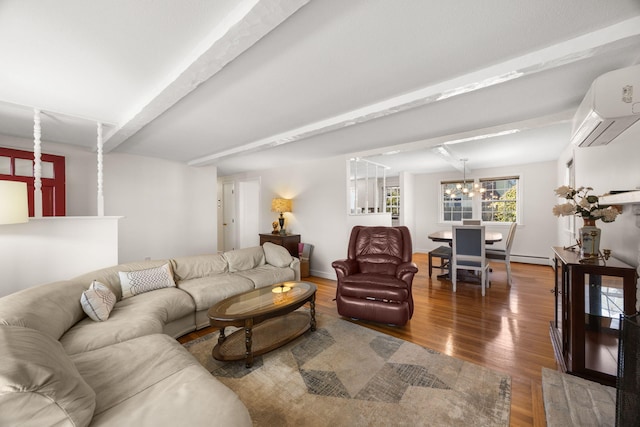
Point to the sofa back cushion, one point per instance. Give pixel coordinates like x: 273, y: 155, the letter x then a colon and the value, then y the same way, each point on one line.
x: 276, y: 255
x: 52, y: 308
x: 39, y: 384
x: 245, y: 259
x: 195, y: 267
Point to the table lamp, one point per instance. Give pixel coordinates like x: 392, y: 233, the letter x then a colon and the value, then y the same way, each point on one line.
x: 14, y: 208
x: 281, y: 206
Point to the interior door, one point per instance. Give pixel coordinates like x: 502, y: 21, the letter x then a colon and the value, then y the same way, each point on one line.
x: 228, y: 216
x: 248, y: 217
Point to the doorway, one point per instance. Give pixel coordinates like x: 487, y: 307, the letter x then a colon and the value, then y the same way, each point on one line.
x: 240, y: 214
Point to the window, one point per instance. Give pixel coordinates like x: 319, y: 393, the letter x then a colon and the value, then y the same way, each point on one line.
x: 456, y: 205
x: 392, y: 201
x: 491, y: 199
x: 500, y: 199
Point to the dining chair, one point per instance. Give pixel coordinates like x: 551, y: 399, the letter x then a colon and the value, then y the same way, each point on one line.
x: 504, y: 255
x: 471, y: 222
x: 468, y: 253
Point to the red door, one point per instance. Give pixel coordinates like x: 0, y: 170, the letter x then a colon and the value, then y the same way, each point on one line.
x: 17, y: 165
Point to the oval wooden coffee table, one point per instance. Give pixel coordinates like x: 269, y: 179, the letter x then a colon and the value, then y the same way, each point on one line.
x: 267, y: 319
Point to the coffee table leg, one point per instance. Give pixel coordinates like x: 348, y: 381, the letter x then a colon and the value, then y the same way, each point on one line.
x: 248, y: 355
x: 312, y: 303
x: 222, y: 336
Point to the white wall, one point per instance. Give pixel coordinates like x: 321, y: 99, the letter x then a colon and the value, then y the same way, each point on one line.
x: 536, y: 233
x: 169, y: 208
x: 318, y: 190
x: 615, y: 166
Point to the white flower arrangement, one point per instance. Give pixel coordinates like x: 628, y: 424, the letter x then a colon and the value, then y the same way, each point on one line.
x: 581, y: 203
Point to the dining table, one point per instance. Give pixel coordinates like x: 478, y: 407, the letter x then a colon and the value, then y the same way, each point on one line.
x: 490, y: 237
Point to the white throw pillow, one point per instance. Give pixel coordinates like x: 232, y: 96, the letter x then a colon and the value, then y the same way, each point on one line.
x: 277, y: 255
x: 140, y: 281
x: 98, y: 301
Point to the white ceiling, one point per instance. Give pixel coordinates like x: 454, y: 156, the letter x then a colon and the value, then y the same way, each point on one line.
x: 256, y: 84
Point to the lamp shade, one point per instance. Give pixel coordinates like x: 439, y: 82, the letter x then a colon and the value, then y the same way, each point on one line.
x: 14, y: 207
x: 281, y: 205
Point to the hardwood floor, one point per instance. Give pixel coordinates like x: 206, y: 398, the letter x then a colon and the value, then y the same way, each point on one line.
x: 507, y: 330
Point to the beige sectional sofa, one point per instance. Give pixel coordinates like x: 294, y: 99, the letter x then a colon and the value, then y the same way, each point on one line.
x: 60, y: 367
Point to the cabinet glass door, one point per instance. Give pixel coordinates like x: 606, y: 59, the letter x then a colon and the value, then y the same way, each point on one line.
x: 604, y: 302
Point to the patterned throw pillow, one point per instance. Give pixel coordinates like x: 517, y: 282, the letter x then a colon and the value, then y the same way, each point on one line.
x: 98, y: 301
x: 140, y: 281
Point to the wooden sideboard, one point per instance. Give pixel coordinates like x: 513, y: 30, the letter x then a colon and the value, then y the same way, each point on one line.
x: 590, y: 296
x: 288, y: 241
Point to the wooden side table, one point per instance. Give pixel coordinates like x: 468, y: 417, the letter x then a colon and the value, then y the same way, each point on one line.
x: 288, y: 241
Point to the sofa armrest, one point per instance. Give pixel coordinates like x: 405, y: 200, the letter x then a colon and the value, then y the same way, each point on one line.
x: 295, y: 266
x: 345, y: 267
x: 406, y: 271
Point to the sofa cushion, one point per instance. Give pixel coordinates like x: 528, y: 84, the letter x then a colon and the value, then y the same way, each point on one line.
x: 141, y: 281
x: 245, y: 259
x: 127, y: 380
x: 268, y: 275
x: 207, y: 291
x: 276, y: 255
x: 194, y: 267
x: 39, y: 385
x: 131, y: 317
x: 98, y: 301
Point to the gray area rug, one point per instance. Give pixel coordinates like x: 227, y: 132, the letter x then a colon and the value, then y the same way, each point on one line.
x: 347, y: 375
x: 574, y: 401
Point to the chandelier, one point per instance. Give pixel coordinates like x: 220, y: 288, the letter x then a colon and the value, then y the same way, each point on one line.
x: 463, y: 188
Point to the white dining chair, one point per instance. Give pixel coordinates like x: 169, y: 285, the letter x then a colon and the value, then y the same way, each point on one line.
x: 468, y: 253
x: 504, y: 255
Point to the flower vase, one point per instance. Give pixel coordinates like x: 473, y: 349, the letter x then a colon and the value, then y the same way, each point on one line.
x: 590, y: 239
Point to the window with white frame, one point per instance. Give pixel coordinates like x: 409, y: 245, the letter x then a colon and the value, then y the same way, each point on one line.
x: 456, y: 204
x: 489, y: 199
x: 392, y: 201
x: 500, y: 199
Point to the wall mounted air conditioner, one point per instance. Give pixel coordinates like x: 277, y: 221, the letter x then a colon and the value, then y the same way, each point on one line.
x: 608, y: 108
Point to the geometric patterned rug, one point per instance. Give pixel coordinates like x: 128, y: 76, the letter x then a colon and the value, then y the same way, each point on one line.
x: 344, y: 374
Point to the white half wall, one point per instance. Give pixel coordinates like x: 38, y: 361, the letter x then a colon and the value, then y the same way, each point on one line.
x: 169, y: 208
x: 45, y: 250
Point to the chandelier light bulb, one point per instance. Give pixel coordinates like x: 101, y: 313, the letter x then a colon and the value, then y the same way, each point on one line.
x: 458, y: 186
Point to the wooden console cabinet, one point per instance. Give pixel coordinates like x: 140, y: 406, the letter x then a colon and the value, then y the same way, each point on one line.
x: 289, y: 241
x: 590, y: 296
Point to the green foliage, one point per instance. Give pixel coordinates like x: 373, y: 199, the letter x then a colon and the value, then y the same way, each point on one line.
x: 505, y: 209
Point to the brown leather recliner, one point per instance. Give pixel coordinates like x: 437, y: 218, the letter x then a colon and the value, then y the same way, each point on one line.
x: 374, y: 282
